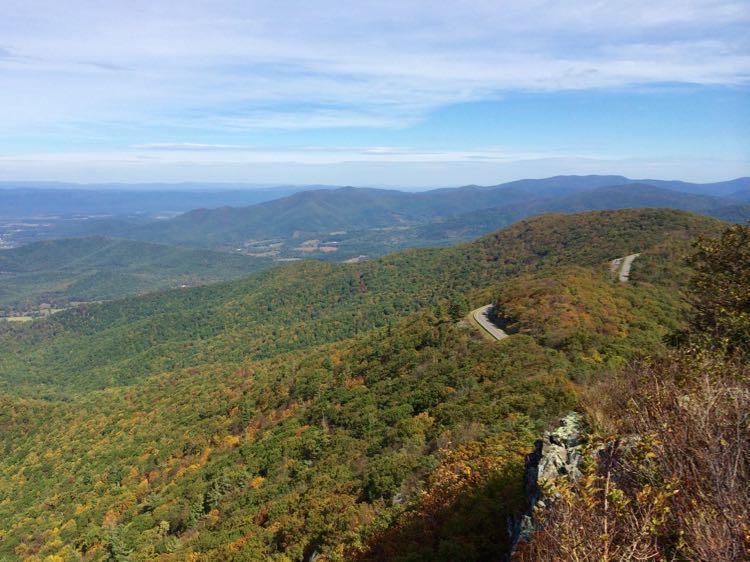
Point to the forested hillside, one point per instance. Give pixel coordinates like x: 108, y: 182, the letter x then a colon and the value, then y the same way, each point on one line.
x: 300, y: 305
x: 320, y: 212
x: 59, y: 272
x: 322, y: 411
x: 667, y: 476
x: 630, y: 195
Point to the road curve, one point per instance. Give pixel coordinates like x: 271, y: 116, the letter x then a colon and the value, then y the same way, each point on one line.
x: 481, y: 315
x: 627, y: 261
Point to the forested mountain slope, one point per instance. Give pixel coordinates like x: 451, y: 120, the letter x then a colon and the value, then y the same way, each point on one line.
x: 667, y: 477
x: 321, y: 411
x: 311, y: 303
x: 322, y: 212
x: 624, y: 196
x: 476, y: 209
x: 59, y: 272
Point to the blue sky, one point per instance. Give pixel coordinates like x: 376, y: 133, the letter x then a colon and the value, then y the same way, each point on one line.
x: 412, y: 93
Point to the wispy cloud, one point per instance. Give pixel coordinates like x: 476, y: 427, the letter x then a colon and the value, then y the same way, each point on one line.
x: 106, y: 66
x: 395, y: 63
x: 200, y: 85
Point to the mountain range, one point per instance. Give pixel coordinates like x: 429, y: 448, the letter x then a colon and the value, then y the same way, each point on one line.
x: 347, y: 222
x: 76, y: 259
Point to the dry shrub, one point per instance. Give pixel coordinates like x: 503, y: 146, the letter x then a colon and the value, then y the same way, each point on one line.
x: 674, y: 485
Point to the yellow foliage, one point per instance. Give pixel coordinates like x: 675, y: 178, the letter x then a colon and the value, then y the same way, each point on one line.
x: 256, y: 482
x: 110, y: 518
x: 231, y: 441
x: 212, y: 517
x: 204, y: 455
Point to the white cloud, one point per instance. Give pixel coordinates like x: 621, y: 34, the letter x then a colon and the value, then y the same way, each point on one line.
x: 247, y: 65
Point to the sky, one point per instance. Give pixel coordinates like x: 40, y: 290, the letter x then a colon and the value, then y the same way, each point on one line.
x: 408, y: 93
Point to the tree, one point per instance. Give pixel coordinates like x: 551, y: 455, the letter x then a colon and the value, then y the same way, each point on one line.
x: 117, y: 550
x: 720, y: 290
x: 458, y: 307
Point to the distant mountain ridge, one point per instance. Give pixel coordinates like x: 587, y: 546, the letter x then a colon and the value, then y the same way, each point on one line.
x: 324, y: 211
x: 314, y: 213
x: 346, y: 222
x: 741, y: 195
x: 578, y: 183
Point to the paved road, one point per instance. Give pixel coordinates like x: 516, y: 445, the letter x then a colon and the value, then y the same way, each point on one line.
x: 627, y: 261
x: 481, y: 315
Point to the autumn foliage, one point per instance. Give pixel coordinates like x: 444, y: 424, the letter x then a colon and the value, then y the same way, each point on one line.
x: 668, y: 471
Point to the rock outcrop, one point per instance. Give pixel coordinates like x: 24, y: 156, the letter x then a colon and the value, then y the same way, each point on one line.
x: 557, y: 455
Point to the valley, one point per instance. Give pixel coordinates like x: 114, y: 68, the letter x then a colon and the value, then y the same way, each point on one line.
x: 55, y: 274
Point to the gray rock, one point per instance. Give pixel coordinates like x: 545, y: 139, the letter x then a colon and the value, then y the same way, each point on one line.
x: 554, y: 462
x: 557, y: 455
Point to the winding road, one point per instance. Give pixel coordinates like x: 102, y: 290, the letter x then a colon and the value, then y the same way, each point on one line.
x: 626, y: 262
x: 481, y: 315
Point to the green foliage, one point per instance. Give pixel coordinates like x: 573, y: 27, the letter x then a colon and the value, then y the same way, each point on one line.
x: 458, y: 307
x: 264, y: 454
x: 313, y: 410
x: 674, y: 480
x: 596, y: 320
x: 720, y: 290
x: 59, y: 272
x: 475, y: 486
x: 302, y: 305
x: 117, y: 550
